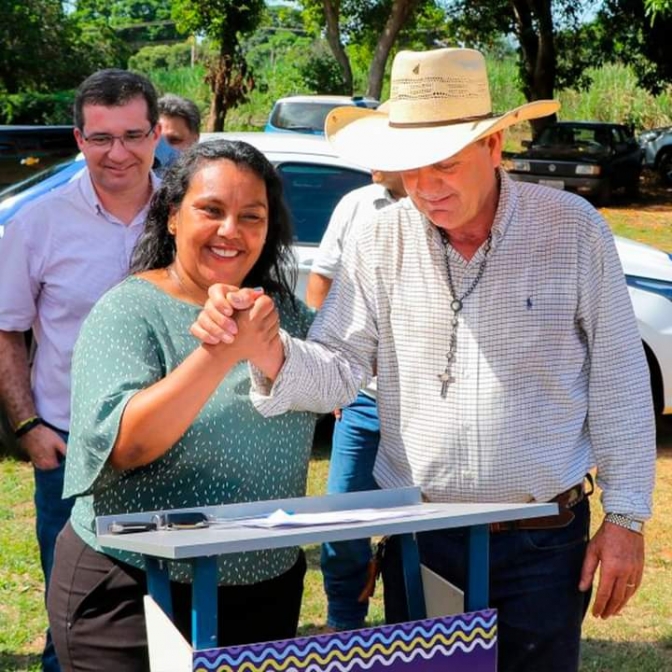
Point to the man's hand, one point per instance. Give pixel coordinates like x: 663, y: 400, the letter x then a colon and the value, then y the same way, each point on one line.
x: 44, y: 447
x: 247, y: 321
x: 620, y: 555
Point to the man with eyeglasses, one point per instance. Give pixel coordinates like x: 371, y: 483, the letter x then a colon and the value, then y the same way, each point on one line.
x: 59, y: 255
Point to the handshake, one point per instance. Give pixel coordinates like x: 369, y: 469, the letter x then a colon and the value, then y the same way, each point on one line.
x: 243, y: 323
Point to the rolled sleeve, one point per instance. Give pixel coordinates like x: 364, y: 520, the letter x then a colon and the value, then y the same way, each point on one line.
x: 326, y: 371
x: 325, y: 381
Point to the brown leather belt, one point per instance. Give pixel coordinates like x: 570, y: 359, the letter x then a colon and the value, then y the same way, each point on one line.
x: 565, y: 501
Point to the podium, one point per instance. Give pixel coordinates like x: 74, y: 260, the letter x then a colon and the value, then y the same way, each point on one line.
x: 459, y: 642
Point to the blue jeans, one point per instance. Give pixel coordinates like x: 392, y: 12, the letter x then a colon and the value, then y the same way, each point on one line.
x: 345, y: 563
x: 52, y: 513
x: 534, y: 578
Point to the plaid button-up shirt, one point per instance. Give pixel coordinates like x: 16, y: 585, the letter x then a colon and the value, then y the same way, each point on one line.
x: 550, y: 374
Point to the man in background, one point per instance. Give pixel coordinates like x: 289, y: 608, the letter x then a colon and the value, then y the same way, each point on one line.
x: 58, y: 256
x: 357, y: 429
x: 180, y: 121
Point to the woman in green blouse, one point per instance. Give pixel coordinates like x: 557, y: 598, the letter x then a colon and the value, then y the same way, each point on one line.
x: 161, y: 421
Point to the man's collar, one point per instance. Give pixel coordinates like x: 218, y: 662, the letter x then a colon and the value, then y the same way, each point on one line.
x: 93, y: 201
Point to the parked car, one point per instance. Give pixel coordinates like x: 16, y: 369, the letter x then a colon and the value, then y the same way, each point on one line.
x: 590, y: 158
x: 306, y: 114
x: 25, y: 150
x: 656, y: 145
x: 315, y: 179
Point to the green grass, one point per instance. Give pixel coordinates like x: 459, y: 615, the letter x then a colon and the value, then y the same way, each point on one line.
x: 642, y: 634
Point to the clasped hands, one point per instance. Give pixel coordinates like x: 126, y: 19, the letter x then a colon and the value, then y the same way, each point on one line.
x: 243, y: 322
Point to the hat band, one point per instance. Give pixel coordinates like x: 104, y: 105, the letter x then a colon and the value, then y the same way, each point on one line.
x: 432, y: 124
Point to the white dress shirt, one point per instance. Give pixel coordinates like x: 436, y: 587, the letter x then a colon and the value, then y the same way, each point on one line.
x: 58, y: 256
x: 550, y: 374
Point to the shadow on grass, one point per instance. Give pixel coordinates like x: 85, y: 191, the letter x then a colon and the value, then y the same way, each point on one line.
x: 322, y: 441
x: 312, y: 557
x: 16, y: 662
x: 664, y: 433
x: 599, y: 655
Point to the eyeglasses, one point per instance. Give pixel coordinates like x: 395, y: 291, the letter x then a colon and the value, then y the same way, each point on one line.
x: 128, y: 139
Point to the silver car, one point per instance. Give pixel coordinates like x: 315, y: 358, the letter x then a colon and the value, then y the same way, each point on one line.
x: 656, y: 147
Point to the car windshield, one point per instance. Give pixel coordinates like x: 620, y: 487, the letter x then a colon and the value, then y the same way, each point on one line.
x: 587, y: 137
x: 19, y: 187
x: 295, y: 116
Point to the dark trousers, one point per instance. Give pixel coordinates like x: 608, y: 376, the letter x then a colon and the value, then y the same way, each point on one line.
x: 534, y: 578
x: 97, y: 619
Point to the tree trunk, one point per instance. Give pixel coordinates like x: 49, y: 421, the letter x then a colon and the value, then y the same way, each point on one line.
x: 217, y: 79
x: 331, y: 14
x: 534, y: 29
x: 401, y: 10
x: 230, y: 82
x: 217, y: 114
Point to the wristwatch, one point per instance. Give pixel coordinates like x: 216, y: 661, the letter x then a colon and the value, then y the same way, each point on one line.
x: 625, y: 521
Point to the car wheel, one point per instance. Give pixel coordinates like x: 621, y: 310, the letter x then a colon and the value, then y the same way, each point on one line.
x: 656, y: 380
x: 665, y: 166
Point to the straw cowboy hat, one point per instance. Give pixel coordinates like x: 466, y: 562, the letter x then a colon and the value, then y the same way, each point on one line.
x: 439, y: 103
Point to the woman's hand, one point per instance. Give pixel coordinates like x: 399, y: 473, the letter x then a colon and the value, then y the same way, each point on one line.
x: 215, y: 323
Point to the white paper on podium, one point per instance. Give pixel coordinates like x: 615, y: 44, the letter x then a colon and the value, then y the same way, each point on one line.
x: 280, y: 518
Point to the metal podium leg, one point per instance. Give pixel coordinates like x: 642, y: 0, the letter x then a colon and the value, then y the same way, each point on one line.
x: 204, y: 603
x: 410, y: 557
x: 158, y: 584
x: 478, y: 568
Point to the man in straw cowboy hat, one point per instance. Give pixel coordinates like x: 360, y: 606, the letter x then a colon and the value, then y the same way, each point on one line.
x: 508, y: 358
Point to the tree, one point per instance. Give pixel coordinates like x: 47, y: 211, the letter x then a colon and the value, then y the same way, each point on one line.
x: 135, y: 22
x: 551, y: 53
x: 635, y: 35
x: 355, y: 21
x: 43, y: 48
x: 224, y: 22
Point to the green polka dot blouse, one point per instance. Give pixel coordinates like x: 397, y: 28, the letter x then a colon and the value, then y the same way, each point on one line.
x: 133, y: 337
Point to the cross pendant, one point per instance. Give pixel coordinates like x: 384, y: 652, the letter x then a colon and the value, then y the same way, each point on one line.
x: 446, y: 379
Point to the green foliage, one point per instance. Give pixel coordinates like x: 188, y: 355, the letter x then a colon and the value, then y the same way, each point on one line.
x: 42, y: 48
x: 33, y: 107
x: 129, y: 19
x: 631, y: 35
x: 161, y: 57
x: 483, y: 23
x: 321, y: 73
x: 658, y: 8
x: 221, y: 20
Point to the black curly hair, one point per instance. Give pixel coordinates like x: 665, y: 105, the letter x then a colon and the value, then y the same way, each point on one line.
x: 275, y: 270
